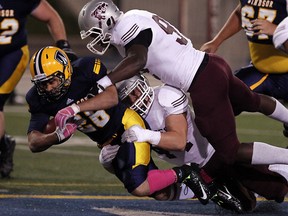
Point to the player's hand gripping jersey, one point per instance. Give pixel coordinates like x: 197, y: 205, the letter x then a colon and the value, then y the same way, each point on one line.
x: 265, y: 57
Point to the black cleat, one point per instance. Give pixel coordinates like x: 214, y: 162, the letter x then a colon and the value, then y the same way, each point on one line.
x: 182, y: 172
x: 197, y: 185
x: 226, y: 200
x: 7, y: 147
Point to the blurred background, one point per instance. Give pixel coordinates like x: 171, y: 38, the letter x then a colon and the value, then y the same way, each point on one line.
x: 198, y: 20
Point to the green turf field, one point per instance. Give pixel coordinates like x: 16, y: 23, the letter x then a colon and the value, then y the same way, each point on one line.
x: 74, y: 169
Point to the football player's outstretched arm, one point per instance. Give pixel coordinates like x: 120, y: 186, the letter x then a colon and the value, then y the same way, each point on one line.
x: 39, y: 142
x: 231, y: 27
x: 131, y: 65
x: 101, y: 101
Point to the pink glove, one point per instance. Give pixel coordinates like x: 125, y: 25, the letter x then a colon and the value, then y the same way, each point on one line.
x: 68, y: 130
x: 63, y: 115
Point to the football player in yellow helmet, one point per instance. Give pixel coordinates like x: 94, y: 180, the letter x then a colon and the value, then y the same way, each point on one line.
x: 51, y: 65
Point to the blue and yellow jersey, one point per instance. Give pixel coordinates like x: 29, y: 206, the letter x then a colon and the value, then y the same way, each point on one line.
x: 13, y: 17
x: 99, y: 125
x: 265, y: 57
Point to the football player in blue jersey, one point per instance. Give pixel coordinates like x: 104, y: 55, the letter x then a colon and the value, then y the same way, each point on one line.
x: 58, y: 84
x: 14, y: 56
x: 268, y: 71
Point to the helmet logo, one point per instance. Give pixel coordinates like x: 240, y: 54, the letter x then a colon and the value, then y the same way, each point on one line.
x: 61, y: 58
x: 100, y: 11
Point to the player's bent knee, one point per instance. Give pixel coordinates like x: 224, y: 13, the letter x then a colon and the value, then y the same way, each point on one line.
x: 142, y: 190
x: 166, y: 194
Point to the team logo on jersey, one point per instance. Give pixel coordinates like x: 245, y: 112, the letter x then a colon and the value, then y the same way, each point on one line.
x: 100, y: 11
x: 69, y: 101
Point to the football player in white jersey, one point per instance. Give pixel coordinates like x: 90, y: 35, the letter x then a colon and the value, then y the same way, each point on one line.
x: 147, y: 41
x: 166, y: 109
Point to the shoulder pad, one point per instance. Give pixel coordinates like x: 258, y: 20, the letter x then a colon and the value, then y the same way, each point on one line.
x: 173, y: 100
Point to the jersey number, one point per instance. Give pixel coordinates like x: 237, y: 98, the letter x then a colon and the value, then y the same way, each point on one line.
x: 92, y: 121
x: 8, y: 27
x: 248, y: 13
x: 169, y: 29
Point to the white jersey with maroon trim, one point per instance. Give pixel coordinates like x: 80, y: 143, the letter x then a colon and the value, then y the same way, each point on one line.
x: 171, y: 56
x: 169, y: 100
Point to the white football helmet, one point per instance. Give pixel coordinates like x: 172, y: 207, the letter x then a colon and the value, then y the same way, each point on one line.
x: 139, y: 82
x: 96, y: 19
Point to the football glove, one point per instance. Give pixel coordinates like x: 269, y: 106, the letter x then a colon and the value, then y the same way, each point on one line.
x: 66, y: 114
x: 138, y: 134
x: 106, y: 156
x: 65, y: 133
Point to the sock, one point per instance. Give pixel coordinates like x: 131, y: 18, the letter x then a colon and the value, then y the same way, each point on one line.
x: 159, y: 179
x: 264, y: 153
x: 280, y: 113
x: 206, y: 178
x: 281, y: 169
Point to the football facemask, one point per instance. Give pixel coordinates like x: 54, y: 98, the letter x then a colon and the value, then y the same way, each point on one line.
x: 137, y: 83
x: 100, y: 42
x: 95, y: 20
